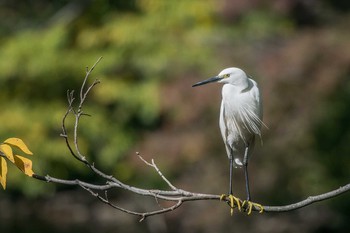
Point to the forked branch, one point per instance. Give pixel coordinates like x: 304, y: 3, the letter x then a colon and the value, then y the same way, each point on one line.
x: 173, y: 195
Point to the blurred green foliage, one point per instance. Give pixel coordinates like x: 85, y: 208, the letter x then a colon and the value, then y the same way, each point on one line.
x: 40, y: 63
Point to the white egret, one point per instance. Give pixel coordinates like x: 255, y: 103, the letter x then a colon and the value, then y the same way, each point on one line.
x: 240, y: 122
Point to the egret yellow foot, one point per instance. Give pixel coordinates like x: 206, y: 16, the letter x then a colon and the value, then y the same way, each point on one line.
x: 232, y: 201
x: 248, y: 206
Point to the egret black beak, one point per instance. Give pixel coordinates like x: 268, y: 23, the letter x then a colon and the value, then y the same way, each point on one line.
x: 210, y: 80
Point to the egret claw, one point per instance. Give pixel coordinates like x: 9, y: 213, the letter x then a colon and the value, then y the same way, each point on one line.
x: 248, y: 206
x: 233, y: 202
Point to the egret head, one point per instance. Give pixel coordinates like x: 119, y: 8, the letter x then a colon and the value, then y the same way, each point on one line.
x: 233, y: 75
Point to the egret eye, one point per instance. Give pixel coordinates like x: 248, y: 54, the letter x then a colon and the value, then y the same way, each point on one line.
x: 226, y: 75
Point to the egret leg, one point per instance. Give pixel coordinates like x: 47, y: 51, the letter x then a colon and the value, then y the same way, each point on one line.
x: 245, y: 167
x: 231, y: 174
x: 231, y: 200
x: 248, y: 204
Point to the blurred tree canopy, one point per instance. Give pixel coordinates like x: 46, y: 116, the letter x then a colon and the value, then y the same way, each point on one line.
x: 47, y: 56
x: 153, y: 51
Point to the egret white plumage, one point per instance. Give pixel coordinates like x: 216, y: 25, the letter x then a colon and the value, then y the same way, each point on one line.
x: 240, y: 122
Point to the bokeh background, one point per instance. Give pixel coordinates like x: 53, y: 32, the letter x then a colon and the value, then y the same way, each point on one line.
x: 153, y: 51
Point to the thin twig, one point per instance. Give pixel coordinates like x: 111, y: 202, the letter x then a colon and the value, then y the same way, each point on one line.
x: 152, y: 164
x: 88, y: 72
x: 70, y: 98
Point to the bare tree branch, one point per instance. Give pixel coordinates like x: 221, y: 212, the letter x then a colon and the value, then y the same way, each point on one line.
x: 174, y: 195
x: 308, y: 201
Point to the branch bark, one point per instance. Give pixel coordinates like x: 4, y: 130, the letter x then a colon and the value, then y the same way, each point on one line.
x: 174, y: 195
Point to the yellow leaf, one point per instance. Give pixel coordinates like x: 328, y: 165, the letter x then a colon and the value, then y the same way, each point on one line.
x: 24, y: 164
x: 3, y: 172
x: 6, y: 149
x: 17, y: 142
